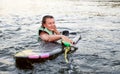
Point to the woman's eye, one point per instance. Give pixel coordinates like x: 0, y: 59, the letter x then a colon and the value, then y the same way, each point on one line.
x: 50, y: 23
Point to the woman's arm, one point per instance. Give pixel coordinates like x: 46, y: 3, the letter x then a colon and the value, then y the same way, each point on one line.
x: 51, y: 38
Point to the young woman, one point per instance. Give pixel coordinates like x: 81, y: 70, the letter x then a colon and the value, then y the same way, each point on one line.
x: 48, y: 31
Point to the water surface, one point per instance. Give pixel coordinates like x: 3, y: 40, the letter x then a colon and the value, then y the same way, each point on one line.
x: 97, y: 22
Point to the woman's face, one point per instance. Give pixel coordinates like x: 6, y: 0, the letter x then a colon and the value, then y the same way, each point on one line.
x: 50, y: 23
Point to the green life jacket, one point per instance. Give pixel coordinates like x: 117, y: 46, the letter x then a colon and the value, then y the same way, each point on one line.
x: 44, y: 30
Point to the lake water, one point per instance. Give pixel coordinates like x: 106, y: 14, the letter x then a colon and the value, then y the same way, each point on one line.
x: 97, y: 22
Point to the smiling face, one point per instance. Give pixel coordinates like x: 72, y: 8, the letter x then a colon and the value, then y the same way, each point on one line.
x: 49, y: 23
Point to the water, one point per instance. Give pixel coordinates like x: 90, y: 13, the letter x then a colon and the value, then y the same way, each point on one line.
x: 97, y: 22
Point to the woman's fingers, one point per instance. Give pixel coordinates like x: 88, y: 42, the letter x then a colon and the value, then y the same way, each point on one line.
x: 64, y: 38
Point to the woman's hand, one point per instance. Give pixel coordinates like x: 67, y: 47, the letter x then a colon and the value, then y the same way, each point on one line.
x: 64, y: 38
x: 54, y: 29
x: 51, y: 27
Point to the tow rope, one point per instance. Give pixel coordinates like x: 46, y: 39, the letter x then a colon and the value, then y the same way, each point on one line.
x: 67, y: 49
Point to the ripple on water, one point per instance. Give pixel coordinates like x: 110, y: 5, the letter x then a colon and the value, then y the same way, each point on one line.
x: 98, y: 23
x: 6, y: 64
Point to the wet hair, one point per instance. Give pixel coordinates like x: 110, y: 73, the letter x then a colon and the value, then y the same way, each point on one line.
x: 45, y: 17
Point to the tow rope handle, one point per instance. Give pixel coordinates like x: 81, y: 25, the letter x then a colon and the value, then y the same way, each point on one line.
x: 67, y: 49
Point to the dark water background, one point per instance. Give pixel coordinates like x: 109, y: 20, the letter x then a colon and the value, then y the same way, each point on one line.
x: 97, y: 22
